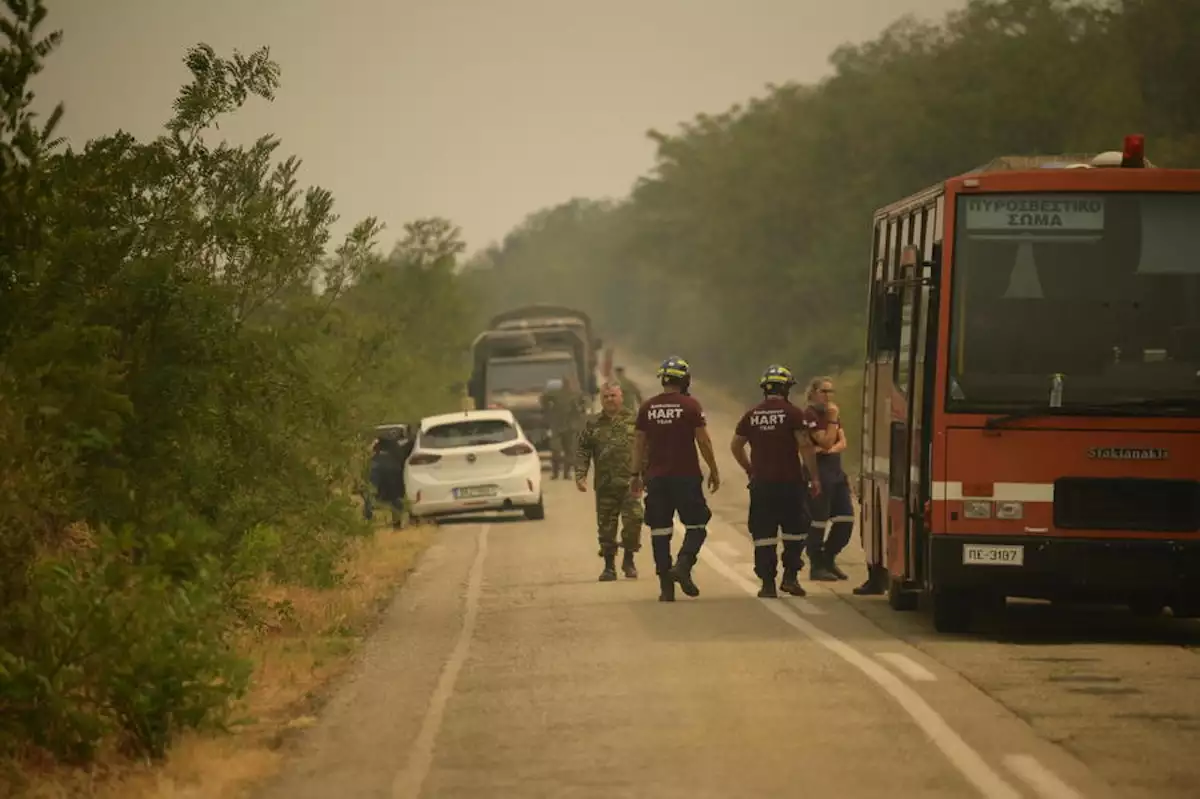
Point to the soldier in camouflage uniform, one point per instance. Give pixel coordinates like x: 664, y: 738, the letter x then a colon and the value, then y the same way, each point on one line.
x: 565, y: 410
x: 607, y: 439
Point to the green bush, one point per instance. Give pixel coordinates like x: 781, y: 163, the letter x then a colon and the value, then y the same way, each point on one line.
x: 187, y: 381
x: 107, y: 642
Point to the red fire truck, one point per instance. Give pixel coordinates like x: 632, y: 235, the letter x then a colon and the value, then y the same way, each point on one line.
x: 1031, y: 401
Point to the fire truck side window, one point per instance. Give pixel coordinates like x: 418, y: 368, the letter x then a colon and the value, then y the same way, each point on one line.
x: 889, y: 250
x: 931, y: 233
x: 877, y: 277
x: 899, y: 461
x: 908, y: 232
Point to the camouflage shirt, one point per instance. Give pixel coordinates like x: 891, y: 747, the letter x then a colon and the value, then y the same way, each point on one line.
x: 609, y: 441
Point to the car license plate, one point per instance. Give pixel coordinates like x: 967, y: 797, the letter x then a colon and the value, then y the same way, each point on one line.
x: 471, y: 492
x: 993, y: 555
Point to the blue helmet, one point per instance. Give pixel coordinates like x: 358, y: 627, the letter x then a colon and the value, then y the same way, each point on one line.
x: 777, y: 378
x: 674, y: 367
x: 675, y: 371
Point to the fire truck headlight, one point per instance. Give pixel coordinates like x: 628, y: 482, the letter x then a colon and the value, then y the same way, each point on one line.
x: 977, y: 509
x: 1010, y: 510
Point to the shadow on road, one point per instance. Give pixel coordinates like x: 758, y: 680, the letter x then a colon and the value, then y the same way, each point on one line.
x: 495, y: 517
x: 1028, y: 622
x: 1046, y: 623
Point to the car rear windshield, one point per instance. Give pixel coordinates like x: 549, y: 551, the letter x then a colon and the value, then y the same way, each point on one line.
x: 468, y: 433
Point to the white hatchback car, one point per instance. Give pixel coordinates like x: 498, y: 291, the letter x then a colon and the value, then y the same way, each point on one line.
x: 473, y: 461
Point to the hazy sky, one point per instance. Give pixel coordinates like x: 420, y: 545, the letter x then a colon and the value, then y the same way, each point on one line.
x: 478, y: 110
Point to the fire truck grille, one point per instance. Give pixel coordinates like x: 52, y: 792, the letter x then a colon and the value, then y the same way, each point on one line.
x: 1163, y: 506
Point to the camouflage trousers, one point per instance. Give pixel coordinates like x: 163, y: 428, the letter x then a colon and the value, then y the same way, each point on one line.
x: 615, y: 505
x: 562, y: 452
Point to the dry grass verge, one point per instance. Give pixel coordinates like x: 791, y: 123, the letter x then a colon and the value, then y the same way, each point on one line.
x: 295, y: 664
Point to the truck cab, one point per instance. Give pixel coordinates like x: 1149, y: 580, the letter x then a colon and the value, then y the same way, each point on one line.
x: 518, y: 382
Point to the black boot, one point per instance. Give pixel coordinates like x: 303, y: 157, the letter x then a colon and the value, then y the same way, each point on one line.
x: 835, y: 571
x: 693, y: 539
x: 682, y: 572
x: 768, y: 589
x: 819, y: 570
x: 876, y: 583
x: 790, y: 585
x: 666, y: 588
x: 627, y: 566
x: 610, y: 570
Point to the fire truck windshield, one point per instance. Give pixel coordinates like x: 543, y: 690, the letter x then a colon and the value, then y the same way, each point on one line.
x: 1075, y: 299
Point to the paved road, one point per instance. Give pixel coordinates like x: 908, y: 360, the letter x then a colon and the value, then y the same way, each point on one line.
x: 506, y: 670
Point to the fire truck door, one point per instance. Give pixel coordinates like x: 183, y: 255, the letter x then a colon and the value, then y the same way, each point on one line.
x: 908, y: 483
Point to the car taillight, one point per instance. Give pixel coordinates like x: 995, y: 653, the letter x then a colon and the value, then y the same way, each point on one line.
x: 520, y: 448
x: 424, y: 459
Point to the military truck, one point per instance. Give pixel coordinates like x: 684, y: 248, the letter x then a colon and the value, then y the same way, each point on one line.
x: 512, y: 367
x: 542, y: 319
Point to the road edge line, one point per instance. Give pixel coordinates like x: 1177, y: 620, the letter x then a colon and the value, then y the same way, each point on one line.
x: 408, y: 783
x: 907, y: 666
x: 1044, y: 782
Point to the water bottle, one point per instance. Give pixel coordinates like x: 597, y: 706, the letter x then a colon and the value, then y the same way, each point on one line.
x: 1056, y: 391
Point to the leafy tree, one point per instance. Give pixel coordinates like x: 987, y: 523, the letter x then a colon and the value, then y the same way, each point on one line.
x: 187, y: 379
x: 430, y: 241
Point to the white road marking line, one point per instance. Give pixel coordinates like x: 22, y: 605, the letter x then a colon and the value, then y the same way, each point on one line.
x: 409, y: 781
x: 802, y: 605
x: 1043, y: 781
x: 960, y: 754
x: 907, y: 666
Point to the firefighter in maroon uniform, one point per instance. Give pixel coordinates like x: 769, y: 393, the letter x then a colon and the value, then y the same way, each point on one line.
x: 833, y: 506
x: 670, y: 427
x: 779, y: 436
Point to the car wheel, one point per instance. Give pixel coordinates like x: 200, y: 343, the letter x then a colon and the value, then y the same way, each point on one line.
x: 536, y: 512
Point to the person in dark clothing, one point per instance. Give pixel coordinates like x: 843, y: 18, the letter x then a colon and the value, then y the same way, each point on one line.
x: 670, y: 427
x: 778, y: 434
x: 388, y: 456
